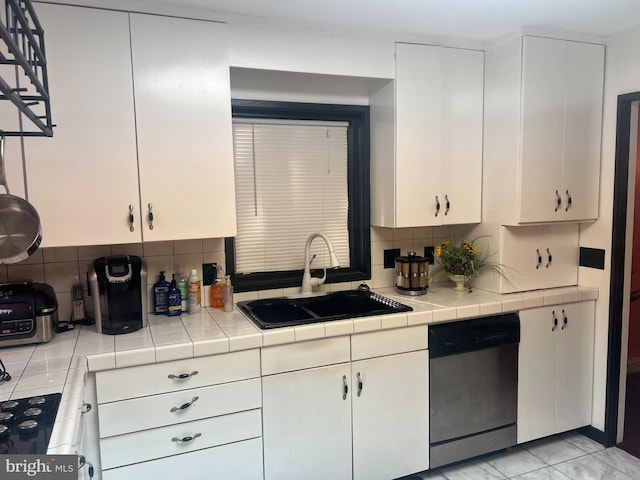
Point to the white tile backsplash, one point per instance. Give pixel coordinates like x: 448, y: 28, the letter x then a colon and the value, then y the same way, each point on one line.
x: 65, y: 266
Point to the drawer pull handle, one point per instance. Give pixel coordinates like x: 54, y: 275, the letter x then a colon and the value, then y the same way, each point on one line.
x: 565, y: 320
x: 186, y: 439
x: 182, y: 376
x: 555, y: 321
x: 85, y: 408
x: 437, y: 206
x: 359, y: 384
x: 184, y: 406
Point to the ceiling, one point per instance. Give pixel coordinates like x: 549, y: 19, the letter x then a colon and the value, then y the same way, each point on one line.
x: 473, y: 20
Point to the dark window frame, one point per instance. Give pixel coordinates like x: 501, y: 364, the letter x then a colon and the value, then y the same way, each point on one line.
x: 358, y: 173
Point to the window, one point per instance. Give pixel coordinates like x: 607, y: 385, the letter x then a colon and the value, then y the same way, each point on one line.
x: 300, y: 168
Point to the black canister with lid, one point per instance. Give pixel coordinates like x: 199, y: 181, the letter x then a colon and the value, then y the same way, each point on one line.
x: 412, y: 274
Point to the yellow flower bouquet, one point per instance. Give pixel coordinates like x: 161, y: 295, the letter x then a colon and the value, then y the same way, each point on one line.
x: 464, y: 259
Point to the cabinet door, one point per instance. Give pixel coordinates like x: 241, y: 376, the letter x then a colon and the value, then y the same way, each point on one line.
x: 390, y: 416
x: 543, y: 96
x: 521, y: 247
x: 439, y: 108
x: 561, y: 244
x: 461, y: 126
x: 582, y: 130
x: 537, y: 373
x: 183, y: 118
x: 419, y: 138
x: 575, y: 366
x: 83, y: 179
x: 307, y: 424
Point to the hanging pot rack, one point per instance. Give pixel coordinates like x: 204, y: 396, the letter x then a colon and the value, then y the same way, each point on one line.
x: 22, y: 46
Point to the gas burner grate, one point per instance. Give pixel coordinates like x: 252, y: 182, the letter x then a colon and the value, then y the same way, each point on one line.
x: 26, y: 424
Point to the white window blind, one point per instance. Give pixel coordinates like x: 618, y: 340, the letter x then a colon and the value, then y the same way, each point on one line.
x: 291, y: 181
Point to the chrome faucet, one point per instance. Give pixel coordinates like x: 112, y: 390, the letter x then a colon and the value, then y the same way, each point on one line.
x: 307, y: 281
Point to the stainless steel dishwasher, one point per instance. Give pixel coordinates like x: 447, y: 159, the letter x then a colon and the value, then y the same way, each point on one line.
x: 473, y: 387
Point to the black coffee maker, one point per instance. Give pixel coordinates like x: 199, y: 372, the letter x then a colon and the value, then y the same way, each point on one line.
x: 118, y: 286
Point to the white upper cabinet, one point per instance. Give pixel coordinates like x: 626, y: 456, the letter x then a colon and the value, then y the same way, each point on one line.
x: 83, y: 179
x: 426, y: 157
x: 543, y: 130
x: 183, y: 120
x: 115, y: 153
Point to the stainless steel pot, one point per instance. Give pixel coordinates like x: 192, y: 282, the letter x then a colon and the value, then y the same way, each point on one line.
x: 412, y: 274
x: 20, y: 233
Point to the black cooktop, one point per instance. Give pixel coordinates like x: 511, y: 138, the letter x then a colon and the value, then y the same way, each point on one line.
x: 26, y: 424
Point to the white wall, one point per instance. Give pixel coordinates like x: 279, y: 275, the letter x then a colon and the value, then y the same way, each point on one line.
x: 622, y: 75
x: 296, y: 51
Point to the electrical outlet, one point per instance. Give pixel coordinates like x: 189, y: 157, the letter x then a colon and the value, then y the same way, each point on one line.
x: 390, y: 257
x: 209, y: 271
x: 429, y: 255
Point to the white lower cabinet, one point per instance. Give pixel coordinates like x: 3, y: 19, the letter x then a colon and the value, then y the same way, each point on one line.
x: 555, y: 369
x: 189, y: 418
x: 306, y: 427
x: 235, y: 460
x: 390, y: 416
x: 362, y: 420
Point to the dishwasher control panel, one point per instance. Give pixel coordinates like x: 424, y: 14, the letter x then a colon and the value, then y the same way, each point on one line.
x: 474, y: 334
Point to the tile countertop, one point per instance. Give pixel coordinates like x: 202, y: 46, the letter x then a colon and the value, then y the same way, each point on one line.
x: 62, y: 364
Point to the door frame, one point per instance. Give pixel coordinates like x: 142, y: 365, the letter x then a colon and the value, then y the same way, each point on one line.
x: 618, y: 254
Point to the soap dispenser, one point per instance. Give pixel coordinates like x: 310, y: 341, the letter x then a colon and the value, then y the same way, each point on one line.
x: 174, y: 299
x: 217, y: 290
x: 161, y: 296
x: 228, y: 295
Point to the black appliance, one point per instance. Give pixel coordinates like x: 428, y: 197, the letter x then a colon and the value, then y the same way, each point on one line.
x: 28, y: 313
x: 118, y: 285
x: 26, y: 424
x: 473, y: 387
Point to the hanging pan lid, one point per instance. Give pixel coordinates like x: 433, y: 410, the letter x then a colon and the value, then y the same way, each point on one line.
x: 20, y: 234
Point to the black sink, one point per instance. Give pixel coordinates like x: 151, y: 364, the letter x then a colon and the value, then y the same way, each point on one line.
x: 285, y: 312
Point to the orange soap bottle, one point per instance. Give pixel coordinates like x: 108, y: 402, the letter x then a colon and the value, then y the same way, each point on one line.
x: 217, y: 293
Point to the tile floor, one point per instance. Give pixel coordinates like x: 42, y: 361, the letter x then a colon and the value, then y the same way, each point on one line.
x: 569, y: 456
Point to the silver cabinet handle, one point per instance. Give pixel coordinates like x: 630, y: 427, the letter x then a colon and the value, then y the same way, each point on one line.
x: 549, y: 258
x: 565, y: 320
x: 186, y: 439
x: 558, y: 201
x: 568, y: 201
x: 437, y: 206
x: 539, y: 258
x: 131, y: 219
x: 182, y: 376
x: 184, y: 406
x: 447, y: 204
x: 359, y: 383
x: 555, y: 321
x: 345, y: 387
x: 150, y: 217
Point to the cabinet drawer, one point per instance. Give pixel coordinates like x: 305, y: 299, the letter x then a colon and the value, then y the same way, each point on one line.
x: 297, y: 356
x: 157, y: 443
x: 150, y: 412
x: 242, y: 460
x: 388, y: 342
x: 132, y: 382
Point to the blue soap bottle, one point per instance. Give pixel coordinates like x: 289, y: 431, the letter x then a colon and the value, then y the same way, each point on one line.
x: 174, y: 299
x: 161, y: 296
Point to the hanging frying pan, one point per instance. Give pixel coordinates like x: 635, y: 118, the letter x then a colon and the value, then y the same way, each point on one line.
x: 20, y: 234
